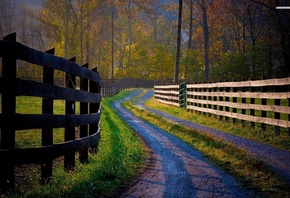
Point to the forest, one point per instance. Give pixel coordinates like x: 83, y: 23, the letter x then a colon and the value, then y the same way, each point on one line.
x: 220, y: 39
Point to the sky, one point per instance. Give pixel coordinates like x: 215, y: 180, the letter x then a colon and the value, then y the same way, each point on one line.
x: 29, y: 2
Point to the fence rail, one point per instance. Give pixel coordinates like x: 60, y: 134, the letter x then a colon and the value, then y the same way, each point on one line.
x: 88, y: 95
x: 168, y: 94
x: 259, y: 101
x: 109, y: 90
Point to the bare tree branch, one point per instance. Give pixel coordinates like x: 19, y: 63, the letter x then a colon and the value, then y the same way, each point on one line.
x: 265, y: 5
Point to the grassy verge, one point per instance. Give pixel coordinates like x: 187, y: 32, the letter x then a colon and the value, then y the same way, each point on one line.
x: 251, y: 173
x: 269, y: 136
x: 120, y: 157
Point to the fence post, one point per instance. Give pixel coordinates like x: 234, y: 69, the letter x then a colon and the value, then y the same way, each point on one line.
x: 199, y: 98
x: 264, y: 102
x: 182, y: 95
x: 235, y: 90
x: 288, y: 115
x: 288, y: 89
x: 204, y: 98
x: 243, y: 110
x: 83, y: 155
x: 8, y: 111
x: 277, y: 115
x: 210, y: 90
x: 94, y: 108
x: 215, y: 90
x: 221, y: 98
x: 252, y: 101
x: 69, y: 158
x: 47, y: 133
x: 227, y: 109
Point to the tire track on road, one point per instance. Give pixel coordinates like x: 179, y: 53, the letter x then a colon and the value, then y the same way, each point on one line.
x: 176, y: 169
x: 278, y: 159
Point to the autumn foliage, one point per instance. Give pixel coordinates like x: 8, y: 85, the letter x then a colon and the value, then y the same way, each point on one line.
x: 221, y: 39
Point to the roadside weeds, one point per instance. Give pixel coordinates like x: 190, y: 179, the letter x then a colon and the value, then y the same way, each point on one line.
x: 252, y: 173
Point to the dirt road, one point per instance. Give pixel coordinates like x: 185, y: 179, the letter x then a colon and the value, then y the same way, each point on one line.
x: 278, y: 159
x: 174, y: 168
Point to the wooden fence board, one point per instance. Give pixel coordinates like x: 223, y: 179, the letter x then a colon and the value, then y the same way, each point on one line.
x: 168, y: 102
x: 109, y: 90
x: 84, y: 129
x: 36, y: 57
x: 166, y: 92
x: 274, y: 108
x: 270, y: 95
x: 218, y: 98
x: 10, y: 121
x: 166, y: 87
x: 255, y: 83
x: 32, y: 121
x: 167, y: 97
x: 9, y: 65
x: 36, y: 155
x: 31, y: 88
x: 47, y: 133
x: 69, y: 131
x: 282, y: 123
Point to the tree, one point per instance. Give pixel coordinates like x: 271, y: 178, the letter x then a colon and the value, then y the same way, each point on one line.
x: 203, y: 6
x: 202, y: 19
x: 283, y: 27
x: 7, y: 15
x: 176, y: 71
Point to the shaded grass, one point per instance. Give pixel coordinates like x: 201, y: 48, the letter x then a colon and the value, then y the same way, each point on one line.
x: 269, y: 136
x: 250, y: 172
x: 120, y: 157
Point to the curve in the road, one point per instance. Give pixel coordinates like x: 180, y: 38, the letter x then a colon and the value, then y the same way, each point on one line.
x: 278, y: 159
x: 176, y: 169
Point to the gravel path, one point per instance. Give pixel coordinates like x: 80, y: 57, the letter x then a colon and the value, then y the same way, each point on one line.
x: 278, y: 159
x: 175, y: 169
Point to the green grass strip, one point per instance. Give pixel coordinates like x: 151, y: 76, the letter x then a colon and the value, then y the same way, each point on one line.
x: 119, y: 158
x: 250, y: 172
x: 269, y: 136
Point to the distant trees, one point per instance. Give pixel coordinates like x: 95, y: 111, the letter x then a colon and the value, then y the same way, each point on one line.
x: 7, y: 13
x: 6, y: 16
x: 220, y: 39
x: 281, y: 19
x: 245, y: 40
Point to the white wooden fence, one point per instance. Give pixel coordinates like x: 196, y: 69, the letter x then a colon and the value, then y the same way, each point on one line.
x: 259, y: 101
x: 167, y: 94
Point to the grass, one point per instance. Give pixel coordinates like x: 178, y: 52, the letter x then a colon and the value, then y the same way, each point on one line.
x: 121, y: 153
x: 120, y: 157
x: 250, y: 172
x: 281, y: 140
x: 33, y: 105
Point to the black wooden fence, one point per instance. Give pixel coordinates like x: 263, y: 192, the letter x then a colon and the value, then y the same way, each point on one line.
x: 10, y: 122
x: 126, y: 83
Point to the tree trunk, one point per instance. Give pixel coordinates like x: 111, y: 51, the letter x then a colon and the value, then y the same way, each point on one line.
x: 176, y: 71
x: 206, y: 43
x: 129, y: 34
x: 112, y: 45
x: 81, y: 32
x: 189, y: 45
x: 66, y: 28
x: 284, y: 28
